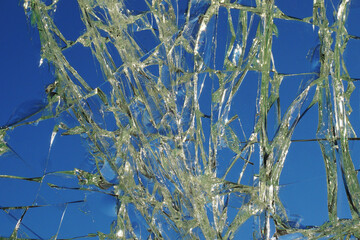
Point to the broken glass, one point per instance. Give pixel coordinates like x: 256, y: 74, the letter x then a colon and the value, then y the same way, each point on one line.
x: 197, y: 119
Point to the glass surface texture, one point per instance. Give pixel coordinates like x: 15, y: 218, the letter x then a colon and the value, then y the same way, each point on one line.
x: 180, y: 119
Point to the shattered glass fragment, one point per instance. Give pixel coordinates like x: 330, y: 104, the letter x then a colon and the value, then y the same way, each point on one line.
x: 169, y: 119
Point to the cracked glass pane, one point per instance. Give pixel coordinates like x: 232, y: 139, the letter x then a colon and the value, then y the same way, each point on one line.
x: 171, y: 119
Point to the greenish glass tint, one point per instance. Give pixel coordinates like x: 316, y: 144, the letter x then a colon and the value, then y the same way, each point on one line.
x: 189, y: 125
